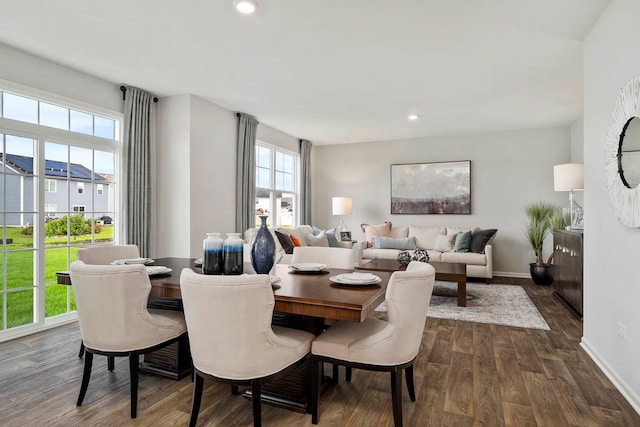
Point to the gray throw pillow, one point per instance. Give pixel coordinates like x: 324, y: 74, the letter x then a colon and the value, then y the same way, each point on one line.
x: 463, y: 240
x: 285, y: 241
x: 480, y: 238
x: 391, y: 243
x: 331, y: 237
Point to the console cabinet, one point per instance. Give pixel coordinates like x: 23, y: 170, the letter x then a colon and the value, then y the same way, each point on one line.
x: 568, y: 261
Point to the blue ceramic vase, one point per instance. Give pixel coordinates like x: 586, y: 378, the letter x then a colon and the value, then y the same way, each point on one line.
x: 263, y: 249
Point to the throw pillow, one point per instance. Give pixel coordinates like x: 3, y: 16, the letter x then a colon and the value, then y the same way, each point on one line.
x: 295, y: 240
x: 319, y: 240
x: 390, y: 243
x: 285, y: 241
x: 404, y: 258
x: 463, y: 240
x: 444, y: 242
x: 480, y: 238
x: 420, y: 255
x: 331, y: 237
x: 381, y: 230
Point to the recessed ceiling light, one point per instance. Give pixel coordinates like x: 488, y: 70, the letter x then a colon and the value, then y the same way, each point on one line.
x: 413, y: 117
x: 246, y: 7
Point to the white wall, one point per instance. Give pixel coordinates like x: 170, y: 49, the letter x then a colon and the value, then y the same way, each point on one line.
x: 611, y: 286
x: 508, y: 170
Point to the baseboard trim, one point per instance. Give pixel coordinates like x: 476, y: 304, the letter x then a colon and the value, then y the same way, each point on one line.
x: 512, y: 274
x: 618, y: 382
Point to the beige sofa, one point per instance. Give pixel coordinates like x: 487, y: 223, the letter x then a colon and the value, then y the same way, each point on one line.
x: 478, y: 264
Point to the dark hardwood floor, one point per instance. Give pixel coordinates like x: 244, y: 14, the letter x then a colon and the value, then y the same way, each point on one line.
x: 466, y: 374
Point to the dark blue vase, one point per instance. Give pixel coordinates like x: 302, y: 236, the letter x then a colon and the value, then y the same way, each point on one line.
x: 263, y: 249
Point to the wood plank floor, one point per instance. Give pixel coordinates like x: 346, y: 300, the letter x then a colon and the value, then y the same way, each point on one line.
x: 466, y: 374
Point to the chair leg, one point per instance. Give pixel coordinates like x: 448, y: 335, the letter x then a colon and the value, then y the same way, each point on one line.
x: 81, y: 352
x: 348, y: 374
x: 196, y: 399
x: 88, y: 361
x: 234, y: 390
x: 134, y: 360
x: 111, y: 363
x: 336, y: 373
x: 408, y: 373
x: 396, y: 397
x: 255, y: 398
x: 314, y: 399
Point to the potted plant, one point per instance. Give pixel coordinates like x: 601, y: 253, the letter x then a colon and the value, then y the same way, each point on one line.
x: 543, y: 217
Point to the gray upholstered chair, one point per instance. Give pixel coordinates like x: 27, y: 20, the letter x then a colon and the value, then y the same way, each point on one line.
x: 333, y: 257
x: 380, y: 345
x: 231, y: 336
x: 114, y: 319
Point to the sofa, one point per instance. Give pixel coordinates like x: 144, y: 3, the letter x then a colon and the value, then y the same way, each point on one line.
x: 386, y: 242
x: 305, y: 235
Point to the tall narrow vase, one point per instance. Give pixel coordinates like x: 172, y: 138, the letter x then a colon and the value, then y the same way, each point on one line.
x: 232, y: 249
x: 212, y: 261
x: 263, y: 249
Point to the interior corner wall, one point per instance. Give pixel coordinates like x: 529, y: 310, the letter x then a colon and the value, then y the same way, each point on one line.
x: 508, y: 170
x: 611, y: 287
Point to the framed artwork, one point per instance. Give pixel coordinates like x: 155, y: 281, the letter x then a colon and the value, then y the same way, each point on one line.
x: 345, y: 236
x: 431, y: 188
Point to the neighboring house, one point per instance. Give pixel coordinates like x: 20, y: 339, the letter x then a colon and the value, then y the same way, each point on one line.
x: 63, y: 181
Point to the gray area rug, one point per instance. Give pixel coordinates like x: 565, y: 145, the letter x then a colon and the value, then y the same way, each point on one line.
x: 507, y: 305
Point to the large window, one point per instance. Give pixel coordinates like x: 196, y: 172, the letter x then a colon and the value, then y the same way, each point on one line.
x: 276, y: 185
x: 47, y: 151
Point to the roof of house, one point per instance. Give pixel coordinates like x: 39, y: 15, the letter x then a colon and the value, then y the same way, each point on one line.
x: 52, y: 168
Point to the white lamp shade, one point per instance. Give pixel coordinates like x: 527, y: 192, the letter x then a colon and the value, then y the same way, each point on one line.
x: 341, y: 205
x: 568, y: 177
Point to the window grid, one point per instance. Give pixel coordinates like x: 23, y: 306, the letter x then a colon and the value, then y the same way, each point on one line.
x: 276, y: 193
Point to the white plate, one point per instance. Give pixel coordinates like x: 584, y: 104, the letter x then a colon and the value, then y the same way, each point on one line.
x: 133, y: 261
x: 356, y: 279
x: 308, y: 266
x: 158, y: 269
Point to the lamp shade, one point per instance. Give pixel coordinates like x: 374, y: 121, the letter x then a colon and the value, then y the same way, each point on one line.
x: 568, y: 177
x: 341, y: 205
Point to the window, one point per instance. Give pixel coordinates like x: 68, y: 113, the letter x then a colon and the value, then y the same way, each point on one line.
x: 78, y: 208
x: 80, y: 187
x: 276, y: 185
x: 50, y: 186
x: 100, y: 189
x: 50, y: 210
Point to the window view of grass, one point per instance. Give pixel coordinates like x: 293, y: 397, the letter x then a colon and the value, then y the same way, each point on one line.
x: 57, y: 256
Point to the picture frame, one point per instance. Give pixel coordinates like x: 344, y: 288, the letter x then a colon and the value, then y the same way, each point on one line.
x: 345, y: 236
x: 578, y: 219
x: 431, y: 188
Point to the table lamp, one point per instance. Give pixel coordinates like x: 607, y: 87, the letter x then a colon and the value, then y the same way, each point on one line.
x: 341, y: 206
x: 569, y: 177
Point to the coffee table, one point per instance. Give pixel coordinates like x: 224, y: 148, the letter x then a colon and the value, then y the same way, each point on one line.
x: 445, y: 271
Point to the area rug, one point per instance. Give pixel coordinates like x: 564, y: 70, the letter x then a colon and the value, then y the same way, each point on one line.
x: 507, y: 305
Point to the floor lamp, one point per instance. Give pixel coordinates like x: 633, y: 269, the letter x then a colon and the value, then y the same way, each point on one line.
x: 569, y: 177
x: 341, y: 206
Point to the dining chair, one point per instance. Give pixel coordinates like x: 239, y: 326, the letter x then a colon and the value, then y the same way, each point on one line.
x: 103, y: 255
x: 380, y: 345
x: 333, y: 257
x: 114, y: 320
x: 231, y: 336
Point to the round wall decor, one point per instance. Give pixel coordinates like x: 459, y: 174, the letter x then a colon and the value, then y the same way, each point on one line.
x: 622, y: 154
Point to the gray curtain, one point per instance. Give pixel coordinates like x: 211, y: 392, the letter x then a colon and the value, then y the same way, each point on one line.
x: 305, y: 181
x: 138, y: 171
x: 246, y: 173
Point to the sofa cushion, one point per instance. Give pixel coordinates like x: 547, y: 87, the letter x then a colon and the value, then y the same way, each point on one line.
x: 372, y: 253
x: 400, y: 232
x: 456, y: 230
x: 471, y: 258
x: 425, y: 236
x: 462, y: 242
x: 319, y: 240
x: 391, y: 243
x: 444, y: 242
x: 480, y: 238
x: 370, y: 231
x: 285, y: 241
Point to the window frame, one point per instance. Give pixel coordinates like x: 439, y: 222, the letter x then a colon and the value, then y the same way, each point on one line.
x: 49, y: 183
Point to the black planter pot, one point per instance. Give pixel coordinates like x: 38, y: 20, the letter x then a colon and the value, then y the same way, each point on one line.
x: 541, y: 274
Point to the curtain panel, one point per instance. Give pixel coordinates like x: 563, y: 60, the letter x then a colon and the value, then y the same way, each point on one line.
x: 305, y: 181
x: 138, y: 160
x: 246, y: 173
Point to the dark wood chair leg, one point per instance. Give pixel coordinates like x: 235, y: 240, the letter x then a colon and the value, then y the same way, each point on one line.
x: 408, y: 373
x: 195, y: 400
x: 336, y: 373
x: 396, y: 397
x: 234, y: 390
x: 255, y: 397
x: 348, y: 374
x: 81, y: 352
x: 314, y: 400
x: 111, y: 363
x: 88, y: 361
x: 134, y: 361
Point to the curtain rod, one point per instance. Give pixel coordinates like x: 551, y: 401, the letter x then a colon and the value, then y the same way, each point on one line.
x: 124, y: 90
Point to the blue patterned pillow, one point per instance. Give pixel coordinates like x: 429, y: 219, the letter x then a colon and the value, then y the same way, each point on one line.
x: 390, y: 243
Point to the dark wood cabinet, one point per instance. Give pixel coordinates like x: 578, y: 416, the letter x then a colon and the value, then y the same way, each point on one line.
x: 568, y: 261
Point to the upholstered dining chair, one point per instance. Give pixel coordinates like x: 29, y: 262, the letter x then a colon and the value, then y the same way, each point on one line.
x: 105, y: 255
x: 333, y: 257
x: 231, y: 336
x: 114, y: 320
x: 380, y: 345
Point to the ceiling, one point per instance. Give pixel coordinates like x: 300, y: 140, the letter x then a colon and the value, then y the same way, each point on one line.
x: 332, y: 71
